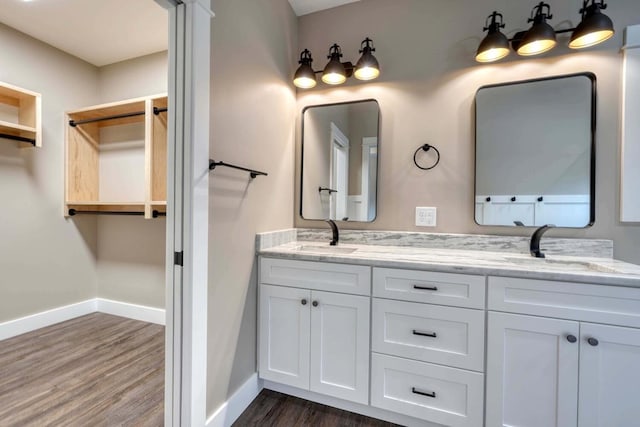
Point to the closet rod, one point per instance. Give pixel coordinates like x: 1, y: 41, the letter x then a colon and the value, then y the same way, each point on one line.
x: 74, y: 123
x: 18, y: 138
x: 252, y: 173
x: 158, y: 110
x: 154, y: 214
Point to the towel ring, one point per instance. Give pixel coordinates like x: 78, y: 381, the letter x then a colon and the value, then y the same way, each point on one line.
x: 426, y: 147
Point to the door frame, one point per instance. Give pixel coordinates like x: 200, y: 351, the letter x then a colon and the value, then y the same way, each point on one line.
x: 339, y: 144
x: 187, y: 212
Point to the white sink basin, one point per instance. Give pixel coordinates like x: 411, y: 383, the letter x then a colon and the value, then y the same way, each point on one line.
x: 561, y: 265
x: 326, y: 249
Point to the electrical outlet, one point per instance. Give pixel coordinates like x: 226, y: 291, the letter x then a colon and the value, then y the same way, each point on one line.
x: 426, y: 217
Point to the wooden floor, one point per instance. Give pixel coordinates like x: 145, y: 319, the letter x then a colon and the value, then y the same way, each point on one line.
x: 95, y: 370
x: 272, y: 409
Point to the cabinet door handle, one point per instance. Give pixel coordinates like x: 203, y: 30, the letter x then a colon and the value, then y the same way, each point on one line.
x: 424, y: 334
x: 423, y: 393
x: 592, y: 341
x: 425, y: 288
x: 315, y: 303
x: 303, y: 302
x: 571, y: 338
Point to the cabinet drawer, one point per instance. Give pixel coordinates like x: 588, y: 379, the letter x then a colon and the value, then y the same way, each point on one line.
x: 576, y: 301
x: 448, y: 396
x: 323, y: 276
x: 431, y: 333
x: 460, y: 290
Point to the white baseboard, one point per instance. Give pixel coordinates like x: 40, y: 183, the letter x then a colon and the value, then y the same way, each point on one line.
x: 368, y: 411
x: 35, y: 321
x: 131, y: 311
x: 230, y: 410
x: 32, y: 322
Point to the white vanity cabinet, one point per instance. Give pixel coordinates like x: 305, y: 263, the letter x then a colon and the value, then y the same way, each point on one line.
x: 563, y: 371
x: 312, y: 339
x: 422, y: 334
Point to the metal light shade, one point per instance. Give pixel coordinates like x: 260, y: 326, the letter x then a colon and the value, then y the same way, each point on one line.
x: 493, y: 47
x: 367, y: 67
x: 595, y: 28
x: 305, y: 77
x: 334, y: 73
x: 540, y: 38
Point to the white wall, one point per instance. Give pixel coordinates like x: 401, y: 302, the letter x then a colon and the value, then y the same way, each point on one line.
x: 45, y: 260
x: 426, y: 92
x: 252, y: 110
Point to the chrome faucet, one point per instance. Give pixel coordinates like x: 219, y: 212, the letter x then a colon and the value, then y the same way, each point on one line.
x: 534, y: 247
x: 334, y: 229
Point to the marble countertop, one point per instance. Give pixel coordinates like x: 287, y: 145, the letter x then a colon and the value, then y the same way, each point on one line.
x: 605, y: 271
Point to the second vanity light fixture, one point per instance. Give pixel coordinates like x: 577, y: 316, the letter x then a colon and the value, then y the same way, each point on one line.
x: 595, y: 27
x: 336, y: 71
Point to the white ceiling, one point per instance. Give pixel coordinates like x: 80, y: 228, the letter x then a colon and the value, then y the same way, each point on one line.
x: 100, y: 32
x: 304, y: 7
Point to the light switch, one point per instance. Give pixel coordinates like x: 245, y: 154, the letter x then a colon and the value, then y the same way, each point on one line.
x: 426, y: 217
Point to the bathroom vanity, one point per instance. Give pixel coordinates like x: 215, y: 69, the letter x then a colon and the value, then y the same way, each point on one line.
x: 431, y: 336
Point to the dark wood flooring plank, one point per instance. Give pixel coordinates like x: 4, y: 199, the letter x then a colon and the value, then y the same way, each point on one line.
x: 272, y: 409
x: 95, y: 370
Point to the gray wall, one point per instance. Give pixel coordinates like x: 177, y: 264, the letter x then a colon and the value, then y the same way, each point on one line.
x: 253, y: 105
x: 426, y: 92
x: 131, y: 250
x: 45, y: 260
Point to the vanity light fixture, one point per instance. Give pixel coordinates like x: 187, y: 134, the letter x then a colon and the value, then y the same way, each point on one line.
x: 336, y: 72
x: 305, y: 77
x: 495, y: 45
x: 541, y: 37
x: 367, y: 67
x: 595, y: 27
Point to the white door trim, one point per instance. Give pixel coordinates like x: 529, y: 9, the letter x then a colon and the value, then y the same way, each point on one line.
x: 187, y: 211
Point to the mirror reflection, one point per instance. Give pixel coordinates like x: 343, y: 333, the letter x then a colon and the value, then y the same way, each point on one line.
x: 534, y: 152
x: 340, y: 161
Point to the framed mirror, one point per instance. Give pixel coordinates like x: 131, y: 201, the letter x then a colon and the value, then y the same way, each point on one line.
x: 339, y: 171
x: 535, y: 152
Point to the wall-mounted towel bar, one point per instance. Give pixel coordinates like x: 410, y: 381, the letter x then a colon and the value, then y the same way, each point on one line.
x: 158, y: 110
x: 74, y: 123
x: 252, y: 173
x: 18, y: 138
x: 155, y: 214
x: 327, y: 189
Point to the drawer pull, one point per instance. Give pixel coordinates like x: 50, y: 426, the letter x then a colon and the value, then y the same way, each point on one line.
x: 425, y: 334
x: 423, y: 393
x: 425, y: 288
x: 593, y: 342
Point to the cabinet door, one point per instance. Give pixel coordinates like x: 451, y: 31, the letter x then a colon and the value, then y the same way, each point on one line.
x: 340, y: 346
x: 284, y: 335
x: 532, y: 371
x: 609, y: 376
